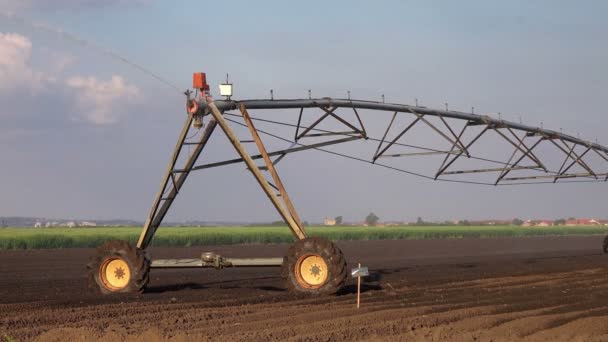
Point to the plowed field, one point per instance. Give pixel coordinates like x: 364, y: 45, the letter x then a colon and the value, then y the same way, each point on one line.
x: 537, y: 289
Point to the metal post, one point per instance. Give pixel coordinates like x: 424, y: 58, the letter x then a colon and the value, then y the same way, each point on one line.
x: 358, y: 287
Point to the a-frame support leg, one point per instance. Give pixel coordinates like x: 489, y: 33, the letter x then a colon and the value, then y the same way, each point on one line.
x: 163, y: 201
x: 270, y: 166
x: 285, y: 209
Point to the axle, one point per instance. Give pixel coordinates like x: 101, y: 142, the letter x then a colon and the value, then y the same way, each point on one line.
x: 212, y: 260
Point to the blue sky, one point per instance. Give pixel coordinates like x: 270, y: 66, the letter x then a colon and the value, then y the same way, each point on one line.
x: 68, y: 151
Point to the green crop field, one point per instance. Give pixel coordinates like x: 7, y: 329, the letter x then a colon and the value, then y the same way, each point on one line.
x: 35, y: 238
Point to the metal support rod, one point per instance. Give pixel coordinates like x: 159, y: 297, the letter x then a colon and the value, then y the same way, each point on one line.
x: 279, y: 153
x: 490, y: 170
x: 599, y: 154
x: 271, y: 168
x: 461, y: 146
x: 299, y: 233
x: 219, y: 263
x: 168, y: 172
x: 559, y: 172
x: 506, y: 172
x: 507, y: 164
x: 447, y: 155
x: 254, y: 262
x: 315, y: 123
x: 606, y: 179
x: 571, y: 175
x: 523, y: 149
x: 158, y: 214
x: 397, y: 138
x: 580, y: 158
x: 433, y: 127
x: 603, y: 157
x: 384, y: 136
x: 445, y: 166
x: 360, y: 122
x: 576, y: 160
x: 522, y: 144
x: 295, y: 137
x: 416, y: 154
x: 343, y: 121
x: 328, y: 134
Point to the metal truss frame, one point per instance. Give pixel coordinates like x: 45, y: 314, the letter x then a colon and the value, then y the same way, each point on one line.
x: 523, y: 156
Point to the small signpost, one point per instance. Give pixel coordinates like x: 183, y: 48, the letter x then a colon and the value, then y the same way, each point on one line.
x: 358, y: 273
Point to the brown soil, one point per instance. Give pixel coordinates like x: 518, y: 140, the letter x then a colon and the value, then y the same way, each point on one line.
x: 540, y: 289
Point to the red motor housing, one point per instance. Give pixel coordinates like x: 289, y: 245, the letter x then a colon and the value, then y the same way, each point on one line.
x: 199, y: 81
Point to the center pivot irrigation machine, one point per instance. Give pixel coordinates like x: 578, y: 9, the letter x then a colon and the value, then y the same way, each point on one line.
x: 314, y: 265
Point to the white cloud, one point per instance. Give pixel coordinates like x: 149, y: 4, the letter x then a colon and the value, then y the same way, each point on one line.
x: 15, y: 48
x: 95, y: 100
x: 102, y: 102
x: 15, y: 54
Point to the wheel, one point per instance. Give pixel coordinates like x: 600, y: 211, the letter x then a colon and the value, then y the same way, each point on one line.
x: 605, y: 245
x: 118, y: 267
x: 314, y: 266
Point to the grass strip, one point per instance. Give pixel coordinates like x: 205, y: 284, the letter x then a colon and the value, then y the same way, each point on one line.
x: 44, y: 238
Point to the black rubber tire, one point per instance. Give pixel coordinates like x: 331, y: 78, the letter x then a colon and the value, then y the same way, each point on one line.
x: 139, y: 266
x: 605, y: 245
x: 336, y: 264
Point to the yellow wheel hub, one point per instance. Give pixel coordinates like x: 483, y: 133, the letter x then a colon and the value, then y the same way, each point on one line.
x: 311, y: 271
x: 115, y: 274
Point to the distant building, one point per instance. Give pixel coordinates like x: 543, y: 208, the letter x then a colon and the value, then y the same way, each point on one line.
x: 38, y: 225
x: 329, y: 222
x: 90, y: 224
x: 490, y: 223
x: 537, y: 223
x: 71, y: 224
x: 582, y: 222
